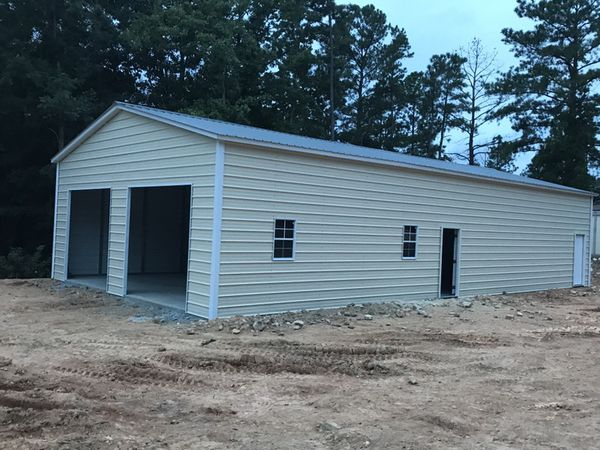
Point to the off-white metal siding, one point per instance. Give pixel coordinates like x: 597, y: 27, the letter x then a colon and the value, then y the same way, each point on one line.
x: 349, y: 232
x: 132, y: 151
x: 596, y: 233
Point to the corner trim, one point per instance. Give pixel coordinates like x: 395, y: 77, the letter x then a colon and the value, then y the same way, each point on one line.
x: 215, y: 258
x: 67, y: 237
x: 591, y: 245
x: 55, y: 217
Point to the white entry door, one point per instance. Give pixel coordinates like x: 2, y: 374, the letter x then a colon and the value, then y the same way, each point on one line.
x: 578, y: 260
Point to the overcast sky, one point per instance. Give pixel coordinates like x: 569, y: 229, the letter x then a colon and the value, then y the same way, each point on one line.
x: 440, y: 26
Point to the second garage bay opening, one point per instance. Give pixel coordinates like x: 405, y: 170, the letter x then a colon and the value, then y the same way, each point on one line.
x: 158, y: 245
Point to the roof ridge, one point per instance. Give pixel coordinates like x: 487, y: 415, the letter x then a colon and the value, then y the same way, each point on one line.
x: 341, y: 148
x: 210, y: 119
x: 285, y: 133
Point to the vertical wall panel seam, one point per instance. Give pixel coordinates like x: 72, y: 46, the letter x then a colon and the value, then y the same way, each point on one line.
x: 215, y: 261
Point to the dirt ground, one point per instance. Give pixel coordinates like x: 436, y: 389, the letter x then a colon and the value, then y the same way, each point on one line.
x: 79, y: 369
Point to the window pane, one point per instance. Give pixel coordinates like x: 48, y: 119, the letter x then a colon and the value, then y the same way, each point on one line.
x: 283, y: 241
x: 410, y: 250
x: 283, y: 249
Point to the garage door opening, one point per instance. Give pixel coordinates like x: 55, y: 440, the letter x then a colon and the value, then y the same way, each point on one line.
x: 88, y: 237
x: 158, y: 245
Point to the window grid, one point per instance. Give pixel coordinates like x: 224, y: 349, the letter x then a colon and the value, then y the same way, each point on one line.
x: 283, y: 239
x: 409, y: 243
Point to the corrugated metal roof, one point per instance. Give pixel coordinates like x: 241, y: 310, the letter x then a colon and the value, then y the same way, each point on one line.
x: 224, y: 130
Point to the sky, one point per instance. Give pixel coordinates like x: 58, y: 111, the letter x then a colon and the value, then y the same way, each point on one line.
x: 440, y: 26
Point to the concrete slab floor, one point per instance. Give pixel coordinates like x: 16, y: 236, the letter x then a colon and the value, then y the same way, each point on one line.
x: 161, y: 289
x: 93, y: 281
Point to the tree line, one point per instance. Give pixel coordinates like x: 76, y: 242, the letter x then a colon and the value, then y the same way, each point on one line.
x: 310, y: 67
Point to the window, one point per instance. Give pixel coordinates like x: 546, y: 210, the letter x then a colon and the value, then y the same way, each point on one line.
x: 283, y: 241
x: 409, y: 244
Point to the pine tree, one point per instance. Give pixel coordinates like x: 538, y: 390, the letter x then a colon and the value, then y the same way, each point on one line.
x: 439, y: 106
x: 554, y: 88
x: 375, y: 62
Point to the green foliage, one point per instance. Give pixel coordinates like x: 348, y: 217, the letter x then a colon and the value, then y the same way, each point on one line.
x: 61, y: 64
x: 374, y: 80
x: 295, y: 79
x: 554, y: 88
x: 20, y: 264
x: 501, y: 154
x: 435, y: 104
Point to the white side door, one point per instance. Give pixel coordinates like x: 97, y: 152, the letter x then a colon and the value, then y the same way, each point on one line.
x: 578, y: 260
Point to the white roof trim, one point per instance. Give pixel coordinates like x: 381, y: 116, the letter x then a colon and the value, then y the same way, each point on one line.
x: 425, y: 165
x: 91, y: 129
x: 109, y: 114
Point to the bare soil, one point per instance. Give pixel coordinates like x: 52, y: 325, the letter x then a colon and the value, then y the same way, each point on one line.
x: 80, y: 369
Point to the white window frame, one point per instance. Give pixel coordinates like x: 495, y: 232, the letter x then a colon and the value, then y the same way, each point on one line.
x: 416, y: 242
x: 275, y: 219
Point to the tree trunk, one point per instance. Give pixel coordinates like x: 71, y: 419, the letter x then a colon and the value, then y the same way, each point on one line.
x: 443, y: 127
x: 61, y: 137
x: 331, y: 76
x: 472, y: 127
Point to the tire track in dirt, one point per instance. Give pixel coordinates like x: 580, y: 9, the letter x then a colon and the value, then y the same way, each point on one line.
x: 278, y: 356
x: 455, y: 339
x: 263, y: 363
x: 7, y: 401
x: 111, y: 345
x: 134, y: 371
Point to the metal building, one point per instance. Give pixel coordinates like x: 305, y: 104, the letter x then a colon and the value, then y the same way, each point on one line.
x: 222, y: 219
